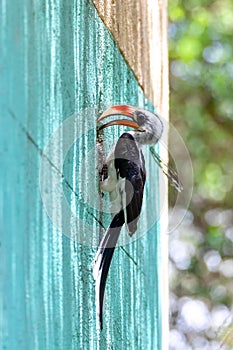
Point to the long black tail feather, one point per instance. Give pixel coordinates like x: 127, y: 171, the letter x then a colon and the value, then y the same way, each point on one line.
x: 103, y: 260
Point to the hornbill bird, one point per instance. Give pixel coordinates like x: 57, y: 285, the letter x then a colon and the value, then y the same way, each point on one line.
x: 125, y: 180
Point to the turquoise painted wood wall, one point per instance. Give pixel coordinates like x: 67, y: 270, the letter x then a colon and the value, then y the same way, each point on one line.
x: 58, y: 59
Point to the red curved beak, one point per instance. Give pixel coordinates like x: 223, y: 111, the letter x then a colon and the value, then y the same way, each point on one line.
x: 129, y: 111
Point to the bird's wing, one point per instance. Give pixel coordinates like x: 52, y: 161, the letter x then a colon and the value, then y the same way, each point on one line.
x: 129, y: 164
x: 103, y: 260
x: 130, y: 168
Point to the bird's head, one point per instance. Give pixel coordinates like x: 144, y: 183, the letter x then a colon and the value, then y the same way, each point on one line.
x: 148, y: 126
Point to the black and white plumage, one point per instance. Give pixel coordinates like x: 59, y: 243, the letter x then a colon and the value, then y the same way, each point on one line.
x: 125, y: 183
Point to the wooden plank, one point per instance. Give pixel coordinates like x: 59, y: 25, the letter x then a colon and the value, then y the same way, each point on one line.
x: 58, y: 59
x: 139, y: 29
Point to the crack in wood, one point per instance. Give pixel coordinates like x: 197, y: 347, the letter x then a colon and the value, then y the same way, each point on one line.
x: 42, y: 154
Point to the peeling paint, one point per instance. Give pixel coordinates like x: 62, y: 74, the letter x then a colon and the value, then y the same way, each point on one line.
x: 58, y: 59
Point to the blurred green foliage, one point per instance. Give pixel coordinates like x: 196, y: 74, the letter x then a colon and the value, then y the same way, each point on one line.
x: 201, y: 84
x: 201, y: 71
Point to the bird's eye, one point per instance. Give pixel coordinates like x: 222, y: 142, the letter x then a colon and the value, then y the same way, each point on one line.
x: 141, y: 115
x: 141, y: 118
